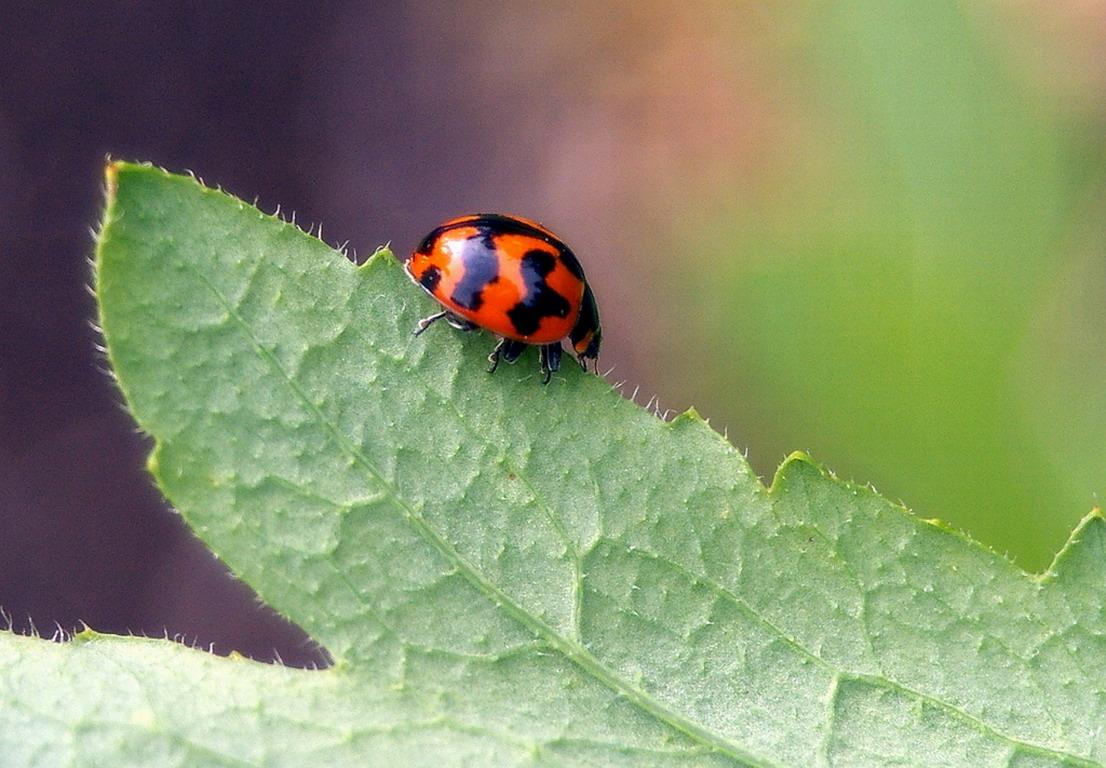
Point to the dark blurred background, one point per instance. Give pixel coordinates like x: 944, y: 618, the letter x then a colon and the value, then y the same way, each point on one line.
x: 869, y: 230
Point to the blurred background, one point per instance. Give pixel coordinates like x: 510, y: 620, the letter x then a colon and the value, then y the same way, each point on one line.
x: 874, y: 231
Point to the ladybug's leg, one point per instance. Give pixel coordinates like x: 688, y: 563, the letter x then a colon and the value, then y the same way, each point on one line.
x: 550, y: 357
x: 426, y: 322
x: 506, y: 349
x: 512, y: 349
x: 493, y: 358
x: 460, y: 323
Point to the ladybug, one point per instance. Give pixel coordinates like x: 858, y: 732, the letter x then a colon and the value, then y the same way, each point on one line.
x: 513, y: 277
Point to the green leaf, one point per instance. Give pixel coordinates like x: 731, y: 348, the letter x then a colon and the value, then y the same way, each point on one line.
x: 511, y: 574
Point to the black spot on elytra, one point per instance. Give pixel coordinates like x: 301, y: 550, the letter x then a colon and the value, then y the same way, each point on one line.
x: 430, y: 278
x: 481, y: 269
x: 539, y: 262
x: 539, y: 300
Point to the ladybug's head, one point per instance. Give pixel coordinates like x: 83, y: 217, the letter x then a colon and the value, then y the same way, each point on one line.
x: 587, y: 335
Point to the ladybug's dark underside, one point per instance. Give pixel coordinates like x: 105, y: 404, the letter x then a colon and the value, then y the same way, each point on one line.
x: 513, y: 277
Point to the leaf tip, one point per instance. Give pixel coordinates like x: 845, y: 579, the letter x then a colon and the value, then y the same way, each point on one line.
x: 383, y: 253
x: 111, y: 178
x: 112, y: 169
x: 1093, y: 519
x: 152, y: 463
x: 796, y: 457
x: 689, y: 416
x: 1082, y: 550
x: 86, y: 634
x: 795, y: 463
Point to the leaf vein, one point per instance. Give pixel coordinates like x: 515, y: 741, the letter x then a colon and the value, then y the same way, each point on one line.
x: 571, y: 649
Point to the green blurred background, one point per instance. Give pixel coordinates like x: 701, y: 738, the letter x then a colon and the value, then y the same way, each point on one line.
x: 912, y: 284
x: 872, y: 230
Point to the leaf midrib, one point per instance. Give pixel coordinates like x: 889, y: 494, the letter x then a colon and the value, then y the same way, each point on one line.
x: 571, y: 650
x: 574, y: 651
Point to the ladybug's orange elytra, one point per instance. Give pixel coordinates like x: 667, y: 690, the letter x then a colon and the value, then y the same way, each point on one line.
x: 513, y: 277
